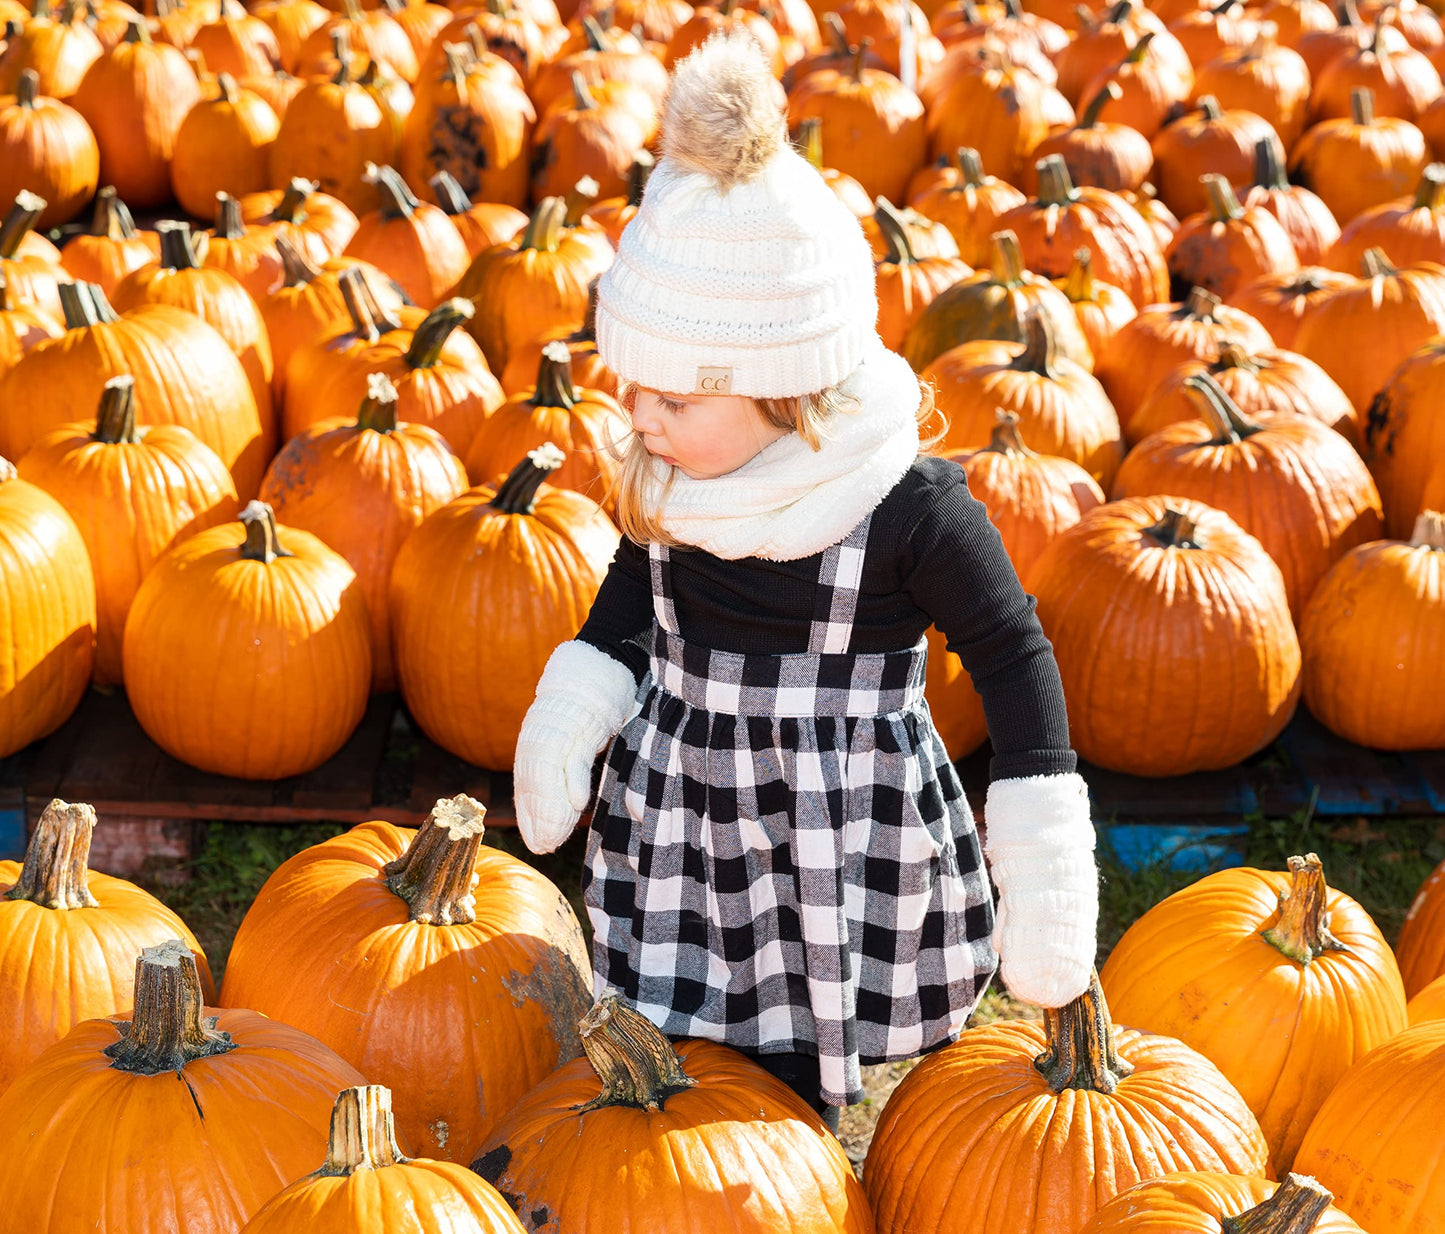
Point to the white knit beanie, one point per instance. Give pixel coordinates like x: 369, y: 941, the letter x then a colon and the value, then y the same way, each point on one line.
x: 742, y: 272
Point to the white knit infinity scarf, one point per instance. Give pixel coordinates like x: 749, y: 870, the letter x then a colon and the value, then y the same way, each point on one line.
x: 789, y: 501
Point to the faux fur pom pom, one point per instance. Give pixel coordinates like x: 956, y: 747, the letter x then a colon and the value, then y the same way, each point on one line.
x: 723, y: 117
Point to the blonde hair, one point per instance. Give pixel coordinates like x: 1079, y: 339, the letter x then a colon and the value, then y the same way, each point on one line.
x: 640, y: 497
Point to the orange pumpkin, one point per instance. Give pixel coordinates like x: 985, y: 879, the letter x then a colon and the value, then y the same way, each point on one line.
x: 249, y: 255
x: 319, y: 225
x: 966, y: 201
x: 636, y: 1096
x: 412, y: 241
x: 1306, y: 219
x: 237, y: 43
x: 287, y: 615
x: 111, y: 249
x: 28, y: 268
x: 1280, y: 302
x: 1373, y: 640
x: 907, y: 282
x: 1040, y: 1124
x: 223, y: 145
x: 166, y: 1077
x: 1428, y: 1004
x: 1152, y: 84
x: 47, y: 147
x: 21, y: 328
x: 58, y: 49
x: 1420, y: 949
x: 1203, y: 1202
x: 1405, y: 438
x: 362, y: 486
x: 1408, y: 230
x: 993, y: 107
x: 69, y: 937
x: 522, y: 563
x: 482, y: 225
x: 290, y: 21
x: 1209, y: 139
x: 368, y: 35
x: 1265, y: 77
x: 1281, y: 981
x: 1101, y: 308
x: 596, y: 131
x: 366, y: 1181
x: 1228, y: 245
x: 1168, y: 590
x: 587, y: 367
x: 450, y: 930
x: 1404, y: 80
x: 1106, y: 156
x: 133, y: 492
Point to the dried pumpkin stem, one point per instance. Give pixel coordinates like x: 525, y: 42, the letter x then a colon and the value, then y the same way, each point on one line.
x: 580, y: 198
x: 1214, y: 406
x: 1055, y: 186
x: 1430, y: 192
x: 363, y: 1133
x: 378, y: 409
x: 55, y: 869
x: 810, y: 141
x: 1362, y: 105
x: 397, y: 200
x: 261, y: 543
x: 1295, y: 1208
x: 1375, y: 264
x: 115, y: 417
x: 381, y: 316
x: 229, y: 225
x: 637, y: 1065
x: 1209, y: 107
x: 4, y: 291
x: 1302, y: 931
x: 895, y: 232
x: 1109, y: 91
x: 1200, y: 304
x: 110, y: 218
x: 1008, y: 260
x: 226, y: 87
x: 21, y: 217
x: 582, y: 97
x: 430, y: 338
x: 1429, y: 530
x: 1233, y: 355
x: 1079, y: 286
x: 85, y: 305
x: 297, y: 271
x: 970, y: 167
x: 136, y: 32
x: 1269, y: 164
x: 450, y: 195
x: 1080, y: 1051
x: 292, y: 206
x: 353, y: 294
x: 176, y: 251
x: 1140, y: 49
x: 1223, y: 204
x: 597, y: 39
x: 837, y: 34
x: 1175, y: 529
x: 554, y: 377
x: 27, y: 89
x: 167, y: 1030
x: 544, y: 228
x: 1005, y: 438
x: 436, y: 873
x: 1040, y: 353
x: 638, y: 175
x: 518, y: 492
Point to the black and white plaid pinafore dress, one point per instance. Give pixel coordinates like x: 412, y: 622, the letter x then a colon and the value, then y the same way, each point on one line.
x: 781, y: 856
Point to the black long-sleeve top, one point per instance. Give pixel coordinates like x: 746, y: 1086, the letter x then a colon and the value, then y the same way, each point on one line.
x: 932, y: 557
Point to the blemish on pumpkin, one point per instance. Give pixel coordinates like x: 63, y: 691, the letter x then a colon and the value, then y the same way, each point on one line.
x: 540, y: 1217
x: 491, y: 1166
x: 559, y: 986
x: 440, y: 1132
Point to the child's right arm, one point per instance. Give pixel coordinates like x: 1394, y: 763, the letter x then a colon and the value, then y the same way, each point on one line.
x: 584, y: 697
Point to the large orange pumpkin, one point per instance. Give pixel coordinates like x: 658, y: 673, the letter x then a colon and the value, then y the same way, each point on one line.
x: 279, y: 629
x: 133, y: 492
x: 111, y: 248
x: 366, y: 1183
x: 413, y: 241
x: 28, y: 262
x: 318, y: 224
x: 1376, y: 1140
x: 1406, y: 230
x: 744, y: 1153
x: 958, y: 194
x: 1167, y: 590
x: 69, y: 937
x: 47, y: 147
x: 1405, y: 436
x: 908, y: 282
x: 1280, y: 302
x: 1374, y: 642
x: 385, y: 938
x: 1279, y: 980
x: 1033, y: 1126
x: 1305, y: 218
x: 523, y: 565
x: 1205, y: 139
x: 223, y: 145
x: 58, y: 49
x: 1206, y: 1202
x: 362, y: 485
x: 1101, y: 308
x: 228, y: 1108
x: 1228, y: 245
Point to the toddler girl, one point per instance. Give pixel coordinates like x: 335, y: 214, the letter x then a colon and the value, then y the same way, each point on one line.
x: 780, y: 856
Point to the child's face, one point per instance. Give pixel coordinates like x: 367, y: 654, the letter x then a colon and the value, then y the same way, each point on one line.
x: 706, y: 435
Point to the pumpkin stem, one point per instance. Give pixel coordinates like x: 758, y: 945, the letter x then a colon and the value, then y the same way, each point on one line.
x: 1295, y: 1208
x: 1140, y: 49
x: 1269, y: 164
x: 1376, y: 265
x: 597, y: 39
x: 382, y: 317
x: 298, y: 271
x: 353, y: 292
x: 1373, y: 46
x: 450, y: 195
x: 637, y: 1065
x: 429, y: 338
x: 1218, y: 410
x: 1429, y: 530
x: 1111, y: 90
x: 1055, y: 186
x: 4, y: 291
x: 1008, y: 261
x: 292, y: 206
x: 1080, y: 1052
x: 85, y: 305
x: 136, y: 32
x: 1362, y: 105
x: 397, y: 200
x: 378, y: 408
x: 1005, y: 439
x: 895, y: 231
x: 1079, y: 286
x: 1201, y: 304
x: 544, y: 229
x: 363, y: 1133
x: 22, y: 216
x: 176, y: 251
x: 1233, y: 355
x: 229, y: 225
x: 580, y: 198
x: 582, y: 97
x: 115, y: 417
x: 261, y: 543
x: 1040, y: 353
x: 855, y: 65
x: 167, y: 1030
x: 970, y: 166
x: 1175, y: 529
x: 226, y: 85
x: 458, y: 55
x: 1302, y: 931
x: 837, y: 34
x: 110, y: 218
x: 341, y: 49
x: 27, y: 89
x: 638, y: 175
x: 1223, y: 204
x: 1430, y: 192
x: 518, y: 492
x: 1209, y: 107
x: 436, y: 874
x: 554, y: 377
x: 810, y: 140
x: 54, y: 873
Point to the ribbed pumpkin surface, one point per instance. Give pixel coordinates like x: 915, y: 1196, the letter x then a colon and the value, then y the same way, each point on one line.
x: 1193, y: 1202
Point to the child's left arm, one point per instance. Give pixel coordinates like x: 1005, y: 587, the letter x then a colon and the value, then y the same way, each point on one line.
x: 1040, y: 839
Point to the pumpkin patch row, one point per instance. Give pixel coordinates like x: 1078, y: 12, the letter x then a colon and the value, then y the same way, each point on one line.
x: 424, y: 1006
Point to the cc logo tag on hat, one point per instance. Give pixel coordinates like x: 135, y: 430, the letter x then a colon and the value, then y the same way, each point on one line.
x: 714, y: 380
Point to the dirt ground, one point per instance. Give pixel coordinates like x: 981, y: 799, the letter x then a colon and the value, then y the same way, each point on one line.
x: 858, y: 1122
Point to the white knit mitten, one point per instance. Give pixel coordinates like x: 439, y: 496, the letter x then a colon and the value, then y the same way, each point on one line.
x: 1040, y: 845
x: 583, y: 699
